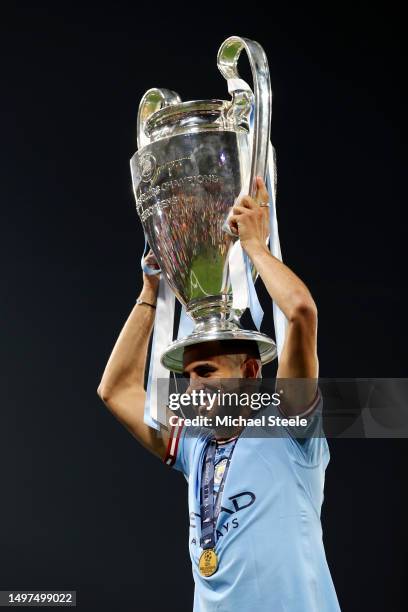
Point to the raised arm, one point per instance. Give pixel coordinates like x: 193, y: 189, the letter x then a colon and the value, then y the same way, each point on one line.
x: 299, y: 353
x: 122, y: 384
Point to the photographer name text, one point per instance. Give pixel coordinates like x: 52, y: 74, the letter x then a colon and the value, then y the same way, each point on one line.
x: 238, y: 421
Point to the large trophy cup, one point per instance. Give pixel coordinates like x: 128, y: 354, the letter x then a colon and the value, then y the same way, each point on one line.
x: 193, y: 160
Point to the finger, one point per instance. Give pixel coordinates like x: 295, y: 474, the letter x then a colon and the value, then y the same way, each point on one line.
x: 233, y: 223
x: 239, y: 210
x: 262, y: 196
x: 151, y: 260
x: 150, y: 256
x: 247, y: 202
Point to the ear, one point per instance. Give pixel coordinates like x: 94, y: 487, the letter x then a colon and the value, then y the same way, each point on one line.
x: 251, y: 368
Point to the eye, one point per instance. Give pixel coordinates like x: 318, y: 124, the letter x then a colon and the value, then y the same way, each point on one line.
x: 205, y: 371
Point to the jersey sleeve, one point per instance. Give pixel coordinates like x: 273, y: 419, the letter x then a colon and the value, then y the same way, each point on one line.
x: 308, y: 443
x: 178, y: 449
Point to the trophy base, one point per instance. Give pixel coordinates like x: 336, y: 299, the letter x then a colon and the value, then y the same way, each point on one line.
x: 172, y: 358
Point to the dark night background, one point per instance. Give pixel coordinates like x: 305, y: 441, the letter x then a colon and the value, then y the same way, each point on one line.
x: 82, y: 505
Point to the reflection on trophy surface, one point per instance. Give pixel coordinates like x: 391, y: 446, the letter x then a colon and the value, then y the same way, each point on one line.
x: 183, y: 204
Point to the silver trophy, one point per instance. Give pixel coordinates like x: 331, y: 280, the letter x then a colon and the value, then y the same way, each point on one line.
x: 194, y: 160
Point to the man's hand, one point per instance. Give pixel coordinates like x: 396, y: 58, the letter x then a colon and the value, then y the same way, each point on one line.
x: 250, y: 219
x: 151, y: 281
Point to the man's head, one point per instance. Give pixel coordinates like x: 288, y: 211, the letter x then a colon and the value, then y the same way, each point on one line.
x: 222, y: 359
x: 225, y: 365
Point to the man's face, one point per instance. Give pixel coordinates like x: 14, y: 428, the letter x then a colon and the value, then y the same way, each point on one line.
x: 207, y: 365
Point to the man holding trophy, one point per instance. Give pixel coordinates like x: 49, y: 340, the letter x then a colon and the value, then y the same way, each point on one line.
x: 255, y: 533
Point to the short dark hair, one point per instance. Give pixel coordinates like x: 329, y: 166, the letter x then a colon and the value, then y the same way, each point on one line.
x: 247, y: 347
x: 222, y: 347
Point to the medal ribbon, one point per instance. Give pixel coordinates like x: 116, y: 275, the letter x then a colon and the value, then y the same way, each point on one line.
x: 208, y: 510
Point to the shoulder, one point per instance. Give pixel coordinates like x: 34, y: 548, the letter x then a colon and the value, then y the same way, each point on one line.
x: 183, y: 444
x: 301, y: 438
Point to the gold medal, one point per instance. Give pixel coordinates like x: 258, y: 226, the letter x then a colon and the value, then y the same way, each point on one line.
x: 208, y: 562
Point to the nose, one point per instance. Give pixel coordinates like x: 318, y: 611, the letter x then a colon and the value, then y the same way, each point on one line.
x: 196, y: 383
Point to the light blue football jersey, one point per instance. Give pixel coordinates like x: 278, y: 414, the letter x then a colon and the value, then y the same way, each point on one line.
x: 268, y: 532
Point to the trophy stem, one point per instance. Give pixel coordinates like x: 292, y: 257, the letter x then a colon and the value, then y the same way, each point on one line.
x: 213, y: 312
x: 211, y: 309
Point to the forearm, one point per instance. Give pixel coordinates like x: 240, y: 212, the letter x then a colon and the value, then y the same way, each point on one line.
x: 298, y: 357
x: 285, y: 288
x: 127, y: 362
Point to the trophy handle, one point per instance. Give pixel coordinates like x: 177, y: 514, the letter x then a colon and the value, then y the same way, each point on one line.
x: 227, y: 60
x: 153, y: 100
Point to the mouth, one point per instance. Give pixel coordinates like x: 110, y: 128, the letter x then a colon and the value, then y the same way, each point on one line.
x: 203, y: 410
